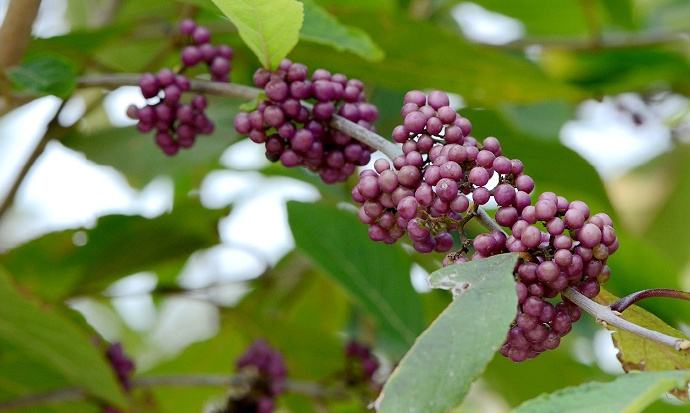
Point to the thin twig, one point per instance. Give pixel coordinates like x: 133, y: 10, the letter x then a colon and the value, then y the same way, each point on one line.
x: 72, y: 394
x: 606, y: 315
x: 15, y: 31
x: 631, y: 299
x: 233, y: 90
x: 15, y: 34
x: 50, y: 397
x: 52, y: 128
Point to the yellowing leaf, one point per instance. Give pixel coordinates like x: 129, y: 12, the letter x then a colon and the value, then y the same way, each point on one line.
x: 637, y: 353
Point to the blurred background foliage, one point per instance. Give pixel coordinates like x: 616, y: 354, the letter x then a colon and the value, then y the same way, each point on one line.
x: 592, y: 95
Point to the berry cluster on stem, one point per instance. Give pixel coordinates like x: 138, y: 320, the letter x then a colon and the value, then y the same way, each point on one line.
x: 435, y: 188
x: 293, y: 120
x: 360, y: 364
x: 178, y: 124
x: 123, y: 366
x: 265, y: 371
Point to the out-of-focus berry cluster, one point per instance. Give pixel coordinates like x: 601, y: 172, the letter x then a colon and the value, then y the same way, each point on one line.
x: 293, y: 121
x: 177, y: 124
x: 360, y: 364
x: 121, y: 364
x: 265, y: 371
x: 123, y: 367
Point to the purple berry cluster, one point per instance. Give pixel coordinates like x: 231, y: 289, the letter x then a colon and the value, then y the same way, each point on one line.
x: 121, y: 364
x: 218, y: 59
x: 177, y: 124
x: 293, y: 120
x: 563, y: 246
x: 425, y: 193
x: 361, y: 364
x: 266, y: 368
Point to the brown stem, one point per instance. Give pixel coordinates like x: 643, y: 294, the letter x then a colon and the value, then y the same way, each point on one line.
x: 631, y: 299
x: 52, y: 129
x: 309, y: 389
x: 15, y: 31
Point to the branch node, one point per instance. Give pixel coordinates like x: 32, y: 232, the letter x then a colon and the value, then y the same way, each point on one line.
x: 682, y: 345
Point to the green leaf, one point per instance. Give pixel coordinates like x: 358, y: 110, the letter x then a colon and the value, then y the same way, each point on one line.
x: 269, y: 27
x: 54, y: 267
x: 562, y: 18
x: 435, y: 375
x: 45, y: 74
x: 324, y: 28
x: 621, y: 13
x: 637, y: 353
x: 51, y: 339
x: 670, y: 223
x: 377, y: 276
x: 412, y: 63
x: 627, y: 394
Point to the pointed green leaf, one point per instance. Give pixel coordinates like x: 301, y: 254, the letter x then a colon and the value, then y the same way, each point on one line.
x: 54, y: 341
x: 44, y: 74
x: 377, y: 276
x: 269, y: 27
x: 435, y: 375
x: 324, y: 28
x: 627, y: 394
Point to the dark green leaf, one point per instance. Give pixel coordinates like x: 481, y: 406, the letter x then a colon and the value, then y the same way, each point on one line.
x: 627, y: 394
x: 45, y: 74
x: 322, y: 27
x: 435, y: 375
x: 50, y: 339
x: 54, y: 267
x: 377, y: 276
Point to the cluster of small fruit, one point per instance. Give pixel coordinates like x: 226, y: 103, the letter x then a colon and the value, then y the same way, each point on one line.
x: 178, y: 124
x: 293, y: 121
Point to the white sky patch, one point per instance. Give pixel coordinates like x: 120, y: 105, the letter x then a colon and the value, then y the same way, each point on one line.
x: 260, y: 222
x: 605, y: 353
x: 244, y: 154
x: 117, y: 101
x: 181, y: 322
x: 50, y: 21
x: 138, y: 311
x: 420, y: 278
x: 73, y: 111
x: 221, y: 264
x: 484, y: 26
x: 65, y: 190
x: 582, y: 350
x: 222, y: 187
x: 607, y: 137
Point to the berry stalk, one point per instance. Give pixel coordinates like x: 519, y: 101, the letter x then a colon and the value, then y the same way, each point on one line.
x: 633, y: 298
